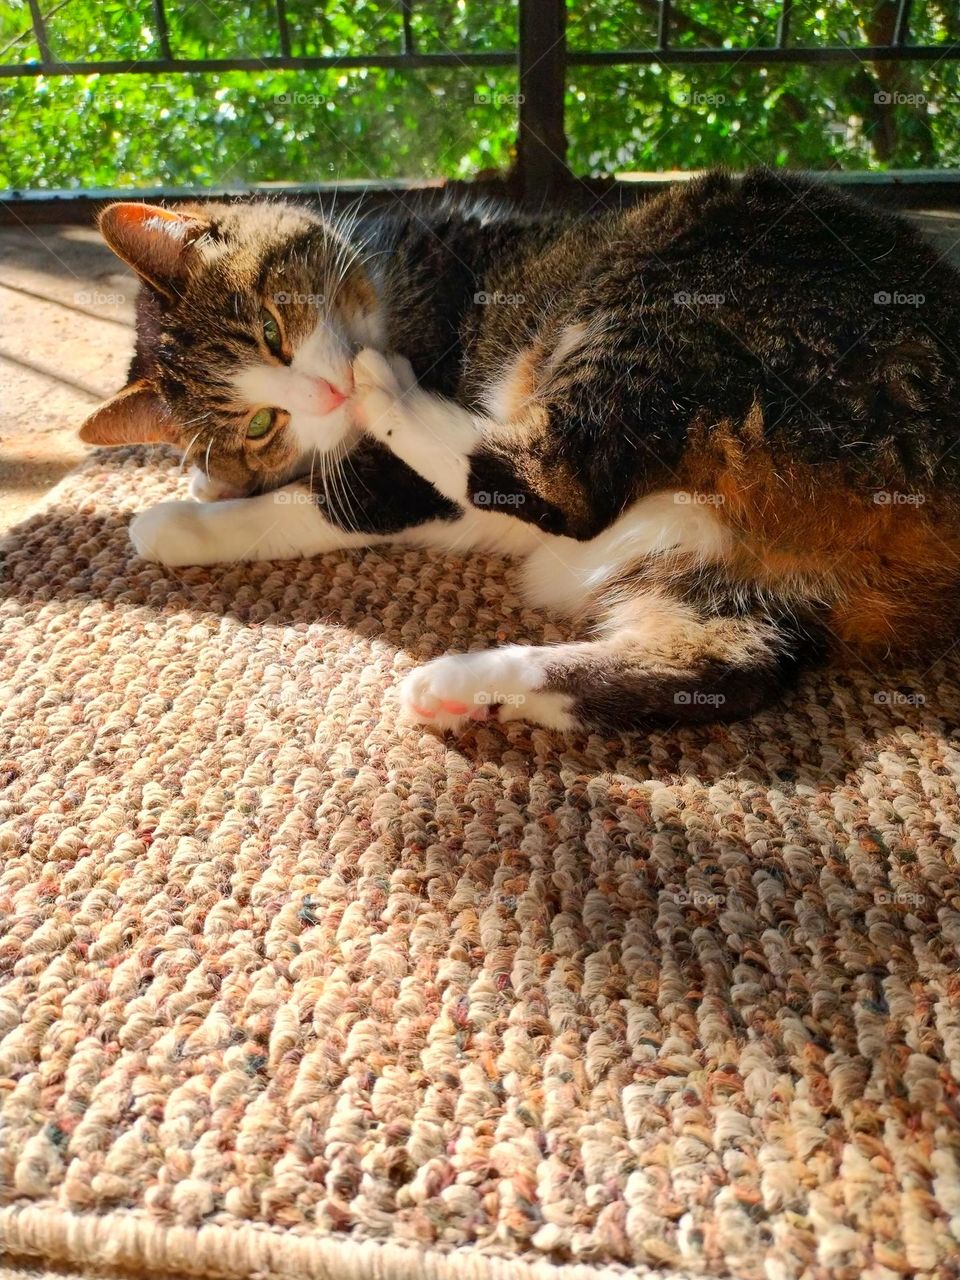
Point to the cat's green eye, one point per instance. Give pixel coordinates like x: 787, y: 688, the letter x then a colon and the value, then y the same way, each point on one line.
x: 260, y: 423
x: 271, y: 333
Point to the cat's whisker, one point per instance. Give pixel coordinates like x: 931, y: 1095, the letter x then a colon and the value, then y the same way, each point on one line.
x: 343, y: 512
x: 348, y: 460
x: 347, y: 493
x: 186, y: 452
x: 326, y: 486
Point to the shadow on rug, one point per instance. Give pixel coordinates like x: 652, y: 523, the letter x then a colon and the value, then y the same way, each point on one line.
x: 287, y: 988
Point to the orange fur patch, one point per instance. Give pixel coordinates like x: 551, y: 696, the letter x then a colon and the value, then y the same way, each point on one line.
x: 885, y: 564
x: 516, y: 387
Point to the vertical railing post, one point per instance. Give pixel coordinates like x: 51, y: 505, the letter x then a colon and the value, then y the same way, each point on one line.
x: 40, y: 32
x: 283, y: 26
x: 783, y: 25
x: 163, y: 30
x: 901, y: 29
x: 541, y: 63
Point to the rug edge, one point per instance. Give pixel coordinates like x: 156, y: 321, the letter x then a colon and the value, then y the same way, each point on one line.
x: 128, y: 1242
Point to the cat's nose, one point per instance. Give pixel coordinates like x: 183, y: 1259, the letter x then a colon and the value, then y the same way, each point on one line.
x: 326, y: 396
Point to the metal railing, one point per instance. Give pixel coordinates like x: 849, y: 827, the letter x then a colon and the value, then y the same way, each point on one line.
x: 541, y: 58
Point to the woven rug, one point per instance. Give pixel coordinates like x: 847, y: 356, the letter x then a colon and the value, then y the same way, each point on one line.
x: 290, y: 989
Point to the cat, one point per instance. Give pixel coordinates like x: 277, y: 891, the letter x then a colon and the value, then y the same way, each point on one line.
x: 720, y: 428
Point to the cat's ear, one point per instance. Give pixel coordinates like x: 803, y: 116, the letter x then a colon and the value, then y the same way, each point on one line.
x: 157, y: 243
x: 135, y: 415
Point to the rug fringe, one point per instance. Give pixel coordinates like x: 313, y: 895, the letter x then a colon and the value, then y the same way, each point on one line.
x: 125, y: 1240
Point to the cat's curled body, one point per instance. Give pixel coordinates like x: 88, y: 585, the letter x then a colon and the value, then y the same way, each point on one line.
x: 719, y: 428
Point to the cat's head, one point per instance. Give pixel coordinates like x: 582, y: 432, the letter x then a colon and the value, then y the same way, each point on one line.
x: 247, y: 323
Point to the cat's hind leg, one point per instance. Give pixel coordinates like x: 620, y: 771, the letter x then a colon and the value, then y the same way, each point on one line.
x: 656, y: 662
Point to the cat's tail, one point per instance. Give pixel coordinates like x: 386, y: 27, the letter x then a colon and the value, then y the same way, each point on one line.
x: 691, y: 651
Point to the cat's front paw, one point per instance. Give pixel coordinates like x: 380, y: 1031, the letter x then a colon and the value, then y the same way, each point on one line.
x: 376, y: 392
x: 174, y: 534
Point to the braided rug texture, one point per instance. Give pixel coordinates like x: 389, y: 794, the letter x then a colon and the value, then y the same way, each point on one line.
x: 288, y: 988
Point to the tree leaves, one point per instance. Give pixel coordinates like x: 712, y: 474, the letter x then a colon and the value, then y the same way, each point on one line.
x: 234, y: 128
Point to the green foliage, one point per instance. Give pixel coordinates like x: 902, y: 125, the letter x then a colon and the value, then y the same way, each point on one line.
x: 232, y: 128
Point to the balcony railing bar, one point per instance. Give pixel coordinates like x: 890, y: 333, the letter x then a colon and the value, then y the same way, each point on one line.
x: 408, y: 40
x: 163, y: 30
x: 40, y: 31
x: 282, y: 26
x: 901, y: 28
x: 783, y: 24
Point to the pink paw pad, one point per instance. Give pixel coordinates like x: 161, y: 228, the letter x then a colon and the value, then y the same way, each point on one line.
x: 454, y: 708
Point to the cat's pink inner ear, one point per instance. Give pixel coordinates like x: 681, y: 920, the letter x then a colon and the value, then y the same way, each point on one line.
x: 135, y: 415
x: 155, y: 242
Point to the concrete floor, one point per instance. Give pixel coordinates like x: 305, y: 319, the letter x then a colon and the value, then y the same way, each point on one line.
x: 66, y: 336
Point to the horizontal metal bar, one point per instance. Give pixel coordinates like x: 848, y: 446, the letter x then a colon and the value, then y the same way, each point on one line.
x: 755, y: 56
x: 160, y: 66
x: 905, y: 188
x: 795, y: 55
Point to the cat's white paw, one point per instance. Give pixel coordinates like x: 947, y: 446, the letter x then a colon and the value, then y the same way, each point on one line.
x: 373, y: 369
x: 497, y: 684
x: 402, y: 371
x: 173, y: 533
x: 376, y: 392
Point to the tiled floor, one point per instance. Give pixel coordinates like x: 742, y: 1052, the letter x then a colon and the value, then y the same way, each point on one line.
x: 66, y: 334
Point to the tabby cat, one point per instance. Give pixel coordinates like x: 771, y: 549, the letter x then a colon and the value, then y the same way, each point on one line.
x: 720, y: 428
